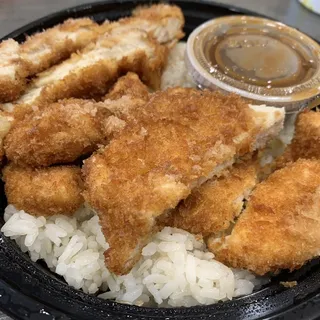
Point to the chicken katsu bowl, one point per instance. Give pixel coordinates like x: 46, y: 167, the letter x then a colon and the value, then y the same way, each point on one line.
x: 129, y: 191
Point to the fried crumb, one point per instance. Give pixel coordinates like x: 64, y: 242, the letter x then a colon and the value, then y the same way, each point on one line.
x: 289, y: 284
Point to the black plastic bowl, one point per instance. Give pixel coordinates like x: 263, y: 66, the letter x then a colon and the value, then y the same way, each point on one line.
x: 31, y: 291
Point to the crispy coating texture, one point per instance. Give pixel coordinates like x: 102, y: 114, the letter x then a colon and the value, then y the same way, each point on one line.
x: 46, y: 191
x: 127, y: 95
x: 12, y: 71
x: 66, y: 130
x: 60, y: 133
x: 2, y: 156
x: 129, y: 85
x: 92, y: 72
x: 280, y: 227
x: 182, y: 137
x: 212, y: 207
x: 306, y: 141
x: 6, y: 121
x: 42, y: 50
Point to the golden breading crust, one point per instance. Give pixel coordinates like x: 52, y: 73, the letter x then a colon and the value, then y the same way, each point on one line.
x: 182, y: 138
x: 63, y: 131
x: 6, y: 121
x: 279, y: 229
x: 92, y: 72
x: 127, y: 95
x: 306, y: 141
x: 44, y: 192
x: 128, y: 85
x: 12, y: 71
x: 60, y: 133
x: 212, y: 207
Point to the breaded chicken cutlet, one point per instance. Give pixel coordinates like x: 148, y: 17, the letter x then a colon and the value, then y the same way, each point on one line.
x: 182, y: 138
x: 137, y: 44
x: 212, y: 207
x: 91, y: 72
x: 68, y: 129
x: 60, y: 133
x: 306, y: 140
x: 279, y: 228
x: 46, y: 191
x: 41, y: 51
x: 168, y: 27
x: 13, y: 71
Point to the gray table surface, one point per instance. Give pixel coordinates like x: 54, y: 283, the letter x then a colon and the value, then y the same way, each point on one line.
x: 16, y: 13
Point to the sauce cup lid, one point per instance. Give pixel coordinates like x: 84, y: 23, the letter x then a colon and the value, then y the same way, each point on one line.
x: 262, y: 60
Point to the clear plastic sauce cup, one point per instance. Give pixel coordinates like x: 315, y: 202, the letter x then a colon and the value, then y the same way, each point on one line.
x: 262, y: 60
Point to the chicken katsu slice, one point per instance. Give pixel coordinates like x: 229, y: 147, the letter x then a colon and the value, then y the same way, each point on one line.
x: 94, y: 70
x: 12, y: 71
x: 43, y: 50
x: 163, y: 22
x: 60, y: 133
x: 181, y: 138
x: 40, y: 52
x: 212, y: 207
x: 65, y: 130
x: 279, y: 229
x: 306, y: 140
x: 46, y: 191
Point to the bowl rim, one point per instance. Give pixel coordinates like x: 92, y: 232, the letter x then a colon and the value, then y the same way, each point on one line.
x: 20, y: 277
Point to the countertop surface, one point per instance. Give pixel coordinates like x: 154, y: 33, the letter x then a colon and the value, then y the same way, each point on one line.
x: 16, y: 13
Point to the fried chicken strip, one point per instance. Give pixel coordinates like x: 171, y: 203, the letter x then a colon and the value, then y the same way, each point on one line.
x: 212, y: 207
x: 68, y: 129
x: 163, y: 23
x: 182, y: 138
x: 41, y: 51
x: 46, y: 191
x: 13, y: 71
x: 306, y: 140
x: 279, y: 229
x: 92, y: 71
x: 60, y: 133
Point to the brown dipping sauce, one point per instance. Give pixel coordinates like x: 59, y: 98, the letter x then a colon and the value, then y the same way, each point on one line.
x: 260, y: 58
x: 264, y: 61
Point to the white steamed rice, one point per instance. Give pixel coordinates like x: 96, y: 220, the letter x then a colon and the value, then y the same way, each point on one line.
x: 175, y: 269
x: 176, y: 74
